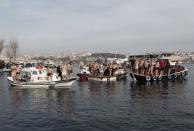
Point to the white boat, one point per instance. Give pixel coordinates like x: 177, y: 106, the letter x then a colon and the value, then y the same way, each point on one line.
x: 105, y: 78
x: 37, y: 78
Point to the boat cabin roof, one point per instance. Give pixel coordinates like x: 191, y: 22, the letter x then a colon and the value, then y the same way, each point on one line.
x: 35, y: 71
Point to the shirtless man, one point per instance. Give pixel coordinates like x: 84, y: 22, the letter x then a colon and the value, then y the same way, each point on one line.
x: 49, y: 73
x: 17, y: 72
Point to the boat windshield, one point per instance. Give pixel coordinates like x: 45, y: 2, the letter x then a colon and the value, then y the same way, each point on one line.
x: 25, y: 75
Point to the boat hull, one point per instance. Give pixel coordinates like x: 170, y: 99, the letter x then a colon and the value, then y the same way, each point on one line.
x: 105, y: 79
x: 173, y: 76
x: 47, y: 85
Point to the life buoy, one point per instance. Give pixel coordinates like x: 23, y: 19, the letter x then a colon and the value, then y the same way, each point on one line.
x: 148, y: 78
x: 183, y: 73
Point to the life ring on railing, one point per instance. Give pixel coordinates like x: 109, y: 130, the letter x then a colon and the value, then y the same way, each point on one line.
x: 183, y: 73
x: 154, y: 78
x: 148, y: 78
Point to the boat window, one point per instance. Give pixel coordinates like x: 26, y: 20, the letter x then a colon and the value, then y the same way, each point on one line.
x: 40, y: 72
x: 34, y: 73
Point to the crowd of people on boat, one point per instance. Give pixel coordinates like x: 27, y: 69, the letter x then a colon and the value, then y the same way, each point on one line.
x: 65, y: 71
x: 154, y: 67
x: 102, y: 69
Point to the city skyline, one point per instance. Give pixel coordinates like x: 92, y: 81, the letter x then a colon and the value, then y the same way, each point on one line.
x: 110, y: 26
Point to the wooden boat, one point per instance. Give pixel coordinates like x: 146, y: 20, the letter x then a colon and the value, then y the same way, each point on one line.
x: 171, y: 76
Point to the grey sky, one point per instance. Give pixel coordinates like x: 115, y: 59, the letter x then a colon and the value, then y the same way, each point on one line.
x: 128, y: 26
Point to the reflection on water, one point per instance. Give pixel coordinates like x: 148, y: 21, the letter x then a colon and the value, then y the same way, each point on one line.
x: 42, y: 100
x: 98, y: 87
x: 15, y: 97
x: 155, y: 88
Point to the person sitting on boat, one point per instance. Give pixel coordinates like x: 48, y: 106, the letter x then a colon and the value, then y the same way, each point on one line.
x: 49, y: 73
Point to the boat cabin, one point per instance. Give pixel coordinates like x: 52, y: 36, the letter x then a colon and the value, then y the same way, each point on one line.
x: 34, y: 74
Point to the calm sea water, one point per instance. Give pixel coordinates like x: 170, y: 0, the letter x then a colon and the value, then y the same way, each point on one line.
x: 96, y: 106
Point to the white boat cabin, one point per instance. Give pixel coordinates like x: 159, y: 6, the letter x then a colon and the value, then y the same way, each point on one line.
x: 35, y: 75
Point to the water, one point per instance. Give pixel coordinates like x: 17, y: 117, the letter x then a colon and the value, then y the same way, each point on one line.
x: 96, y: 106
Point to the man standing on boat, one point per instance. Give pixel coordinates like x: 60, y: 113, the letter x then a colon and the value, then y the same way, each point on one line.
x: 70, y: 69
x: 49, y: 73
x: 64, y: 71
x: 17, y: 72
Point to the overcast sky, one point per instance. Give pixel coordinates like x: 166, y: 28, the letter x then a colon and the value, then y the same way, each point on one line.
x: 126, y: 26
